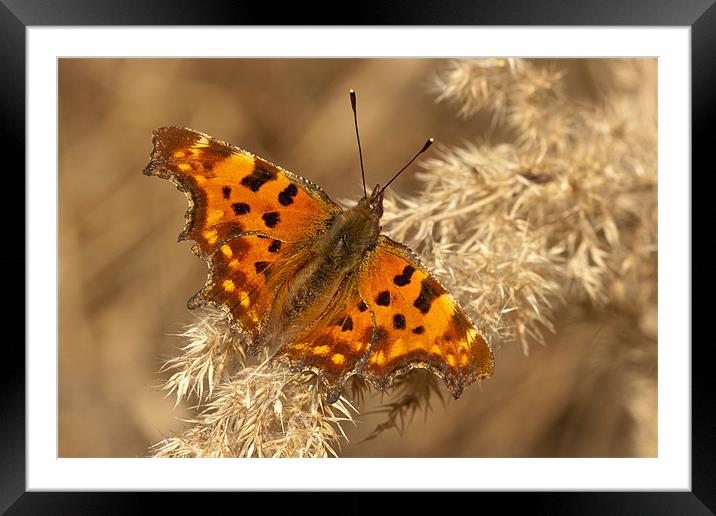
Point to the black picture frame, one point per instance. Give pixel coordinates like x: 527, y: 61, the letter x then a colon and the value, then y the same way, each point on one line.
x: 17, y: 15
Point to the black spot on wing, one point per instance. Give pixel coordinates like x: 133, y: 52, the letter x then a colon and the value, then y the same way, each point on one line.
x: 347, y: 324
x: 271, y: 218
x: 258, y: 177
x: 275, y: 246
x: 383, y: 298
x: 286, y: 196
x: 362, y: 306
x: 418, y: 330
x: 403, y: 279
x: 241, y: 208
x: 399, y: 321
x: 428, y: 293
x: 226, y: 190
x: 260, y: 266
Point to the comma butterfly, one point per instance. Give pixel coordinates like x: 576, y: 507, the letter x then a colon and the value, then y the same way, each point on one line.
x: 295, y: 270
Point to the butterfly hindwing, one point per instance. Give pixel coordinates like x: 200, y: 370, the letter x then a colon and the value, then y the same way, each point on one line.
x: 419, y: 324
x: 337, y: 344
x: 232, y: 191
x: 246, y: 274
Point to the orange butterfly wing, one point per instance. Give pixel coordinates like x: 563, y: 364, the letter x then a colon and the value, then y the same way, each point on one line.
x: 231, y: 191
x: 248, y: 217
x: 336, y: 346
x: 390, y: 317
x: 418, y: 322
x: 245, y: 276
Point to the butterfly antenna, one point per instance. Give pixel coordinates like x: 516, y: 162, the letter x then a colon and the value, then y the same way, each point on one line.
x: 360, y: 151
x: 425, y: 147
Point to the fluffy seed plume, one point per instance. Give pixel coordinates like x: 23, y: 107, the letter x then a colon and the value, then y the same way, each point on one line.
x: 264, y: 411
x: 211, y: 353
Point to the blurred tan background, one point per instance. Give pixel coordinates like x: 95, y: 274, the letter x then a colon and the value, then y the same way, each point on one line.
x: 124, y: 281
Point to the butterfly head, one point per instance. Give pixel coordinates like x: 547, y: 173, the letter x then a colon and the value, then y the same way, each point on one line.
x: 373, y: 204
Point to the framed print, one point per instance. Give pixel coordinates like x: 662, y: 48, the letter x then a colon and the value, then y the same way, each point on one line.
x: 495, y: 315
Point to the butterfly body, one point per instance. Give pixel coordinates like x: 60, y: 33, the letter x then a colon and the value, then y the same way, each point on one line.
x: 330, y: 259
x: 315, y: 283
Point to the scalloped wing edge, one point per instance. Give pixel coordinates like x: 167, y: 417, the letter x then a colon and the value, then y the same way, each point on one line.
x: 156, y: 167
x: 455, y: 388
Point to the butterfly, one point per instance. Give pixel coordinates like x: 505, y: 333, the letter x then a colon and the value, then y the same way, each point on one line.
x: 313, y: 281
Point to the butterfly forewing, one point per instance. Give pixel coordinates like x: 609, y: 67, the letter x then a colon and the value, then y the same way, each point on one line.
x: 233, y: 192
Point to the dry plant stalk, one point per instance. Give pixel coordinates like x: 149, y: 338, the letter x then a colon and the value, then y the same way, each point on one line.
x: 564, y: 212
